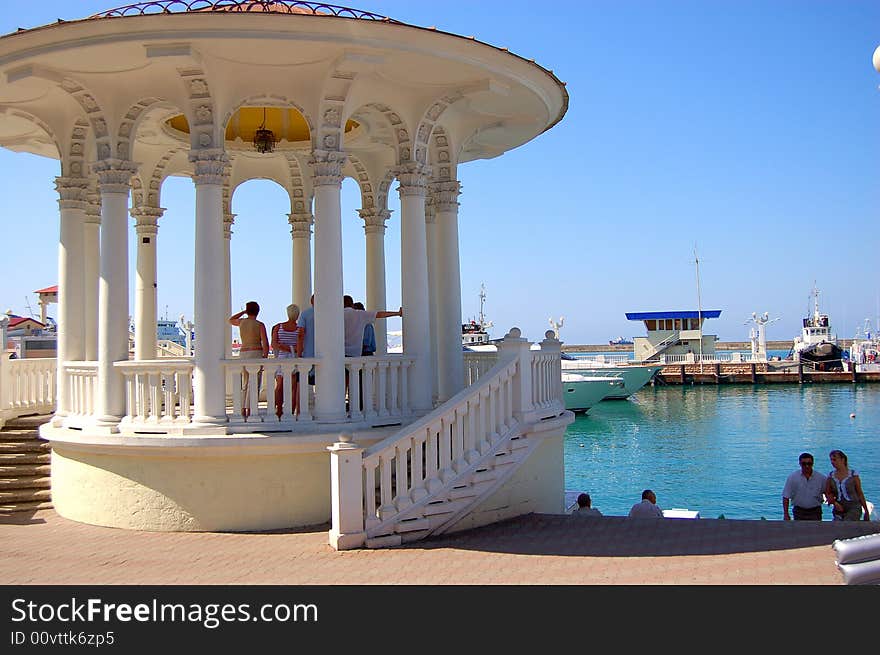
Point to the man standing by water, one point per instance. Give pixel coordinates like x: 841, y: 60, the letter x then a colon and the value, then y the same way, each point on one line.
x: 805, y: 489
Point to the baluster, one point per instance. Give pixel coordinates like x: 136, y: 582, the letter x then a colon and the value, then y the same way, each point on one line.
x: 288, y: 368
x: 369, y: 407
x: 184, y: 389
x: 458, y: 432
x: 169, y: 409
x: 491, y: 407
x: 370, y: 515
x: 432, y: 467
x: 401, y: 481
x: 382, y: 396
x: 253, y: 390
x: 355, y: 410
x: 404, y: 388
x: 394, y: 395
x: 385, y: 495
x: 155, y: 396
x: 305, y: 413
x: 483, y: 431
x: 444, y: 446
x: 470, y: 431
x: 417, y: 461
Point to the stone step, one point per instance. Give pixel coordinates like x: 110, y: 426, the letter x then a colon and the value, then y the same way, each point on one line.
x: 19, y: 435
x: 25, y: 482
x: 14, y: 496
x: 25, y: 506
x: 28, y: 422
x: 25, y: 446
x: 15, y: 458
x: 15, y: 470
x: 383, y: 541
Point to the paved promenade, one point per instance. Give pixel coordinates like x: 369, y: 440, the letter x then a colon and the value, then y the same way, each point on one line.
x: 538, y: 549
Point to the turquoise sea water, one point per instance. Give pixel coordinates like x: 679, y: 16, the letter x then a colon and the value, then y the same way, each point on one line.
x: 723, y: 449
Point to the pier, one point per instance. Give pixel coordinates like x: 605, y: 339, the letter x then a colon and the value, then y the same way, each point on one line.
x: 757, y: 373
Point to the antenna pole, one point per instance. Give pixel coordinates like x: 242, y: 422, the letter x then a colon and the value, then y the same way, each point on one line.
x: 699, y: 306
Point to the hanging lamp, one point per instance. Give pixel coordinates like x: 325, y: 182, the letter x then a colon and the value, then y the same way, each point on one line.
x: 264, y: 140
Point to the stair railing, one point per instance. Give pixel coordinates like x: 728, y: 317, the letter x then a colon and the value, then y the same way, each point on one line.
x: 370, y: 487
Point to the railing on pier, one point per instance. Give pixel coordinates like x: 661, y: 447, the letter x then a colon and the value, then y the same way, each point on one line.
x: 713, y: 358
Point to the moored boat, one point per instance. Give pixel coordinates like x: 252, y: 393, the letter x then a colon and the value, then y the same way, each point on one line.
x: 817, y: 344
x: 581, y: 391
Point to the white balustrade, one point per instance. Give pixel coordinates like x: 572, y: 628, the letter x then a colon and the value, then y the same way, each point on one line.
x: 378, y: 387
x: 476, y: 364
x: 27, y: 385
x: 82, y: 381
x: 250, y: 380
x: 158, y: 392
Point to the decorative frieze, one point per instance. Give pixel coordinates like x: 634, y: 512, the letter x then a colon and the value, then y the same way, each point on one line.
x: 228, y: 221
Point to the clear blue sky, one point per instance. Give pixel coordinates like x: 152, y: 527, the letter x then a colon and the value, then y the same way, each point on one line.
x: 748, y: 128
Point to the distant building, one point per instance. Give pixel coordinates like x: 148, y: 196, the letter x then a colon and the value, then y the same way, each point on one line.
x: 673, y: 333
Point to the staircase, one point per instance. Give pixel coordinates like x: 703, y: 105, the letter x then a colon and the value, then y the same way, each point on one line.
x: 24, y: 466
x: 425, y: 479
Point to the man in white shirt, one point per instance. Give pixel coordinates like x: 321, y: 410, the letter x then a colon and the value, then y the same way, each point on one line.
x: 647, y: 509
x: 355, y: 321
x: 805, y: 489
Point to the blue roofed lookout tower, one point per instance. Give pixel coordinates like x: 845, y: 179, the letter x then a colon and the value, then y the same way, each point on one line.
x: 673, y: 333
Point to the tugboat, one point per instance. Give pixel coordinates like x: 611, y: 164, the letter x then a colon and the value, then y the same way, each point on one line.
x: 817, y: 344
x: 476, y: 332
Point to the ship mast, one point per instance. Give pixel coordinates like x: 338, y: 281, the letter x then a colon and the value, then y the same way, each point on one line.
x: 482, y: 302
x: 699, y: 306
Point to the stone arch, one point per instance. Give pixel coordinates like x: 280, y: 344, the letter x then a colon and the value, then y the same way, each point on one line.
x: 428, y: 122
x: 330, y: 130
x: 95, y: 116
x: 266, y: 100
x: 401, y: 140
x: 129, y: 124
x: 146, y: 192
x: 441, y: 155
x: 204, y: 131
x: 31, y: 118
x: 299, y: 191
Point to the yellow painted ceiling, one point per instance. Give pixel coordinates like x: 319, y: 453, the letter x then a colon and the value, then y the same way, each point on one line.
x: 285, y: 123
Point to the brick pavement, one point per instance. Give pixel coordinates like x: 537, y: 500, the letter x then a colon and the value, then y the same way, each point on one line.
x: 43, y: 548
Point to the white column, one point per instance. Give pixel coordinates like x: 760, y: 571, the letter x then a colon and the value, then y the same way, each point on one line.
x: 70, y: 346
x: 145, y: 301
x: 91, y: 269
x: 301, y: 268
x: 228, y: 222
x: 374, y: 233
x: 329, y: 338
x: 414, y: 277
x: 450, y: 360
x: 114, y: 184
x: 433, y: 317
x: 209, y: 385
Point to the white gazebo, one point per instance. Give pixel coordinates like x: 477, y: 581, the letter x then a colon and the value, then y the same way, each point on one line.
x: 305, y: 94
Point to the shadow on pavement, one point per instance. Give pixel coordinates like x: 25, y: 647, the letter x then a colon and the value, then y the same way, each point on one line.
x: 616, y: 536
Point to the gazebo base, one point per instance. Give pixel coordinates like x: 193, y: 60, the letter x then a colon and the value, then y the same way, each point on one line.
x: 243, y: 483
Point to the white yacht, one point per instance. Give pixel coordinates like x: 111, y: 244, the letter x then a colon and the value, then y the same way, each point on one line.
x: 582, y: 391
x: 634, y: 376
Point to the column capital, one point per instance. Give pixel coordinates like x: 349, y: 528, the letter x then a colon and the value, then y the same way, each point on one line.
x: 300, y: 224
x: 114, y: 175
x: 146, y: 219
x: 445, y: 195
x: 72, y: 192
x: 93, y: 207
x: 327, y: 167
x: 374, y: 220
x: 413, y: 179
x: 209, y: 166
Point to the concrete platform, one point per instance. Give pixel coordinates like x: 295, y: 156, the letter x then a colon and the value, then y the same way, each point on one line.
x: 538, y: 549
